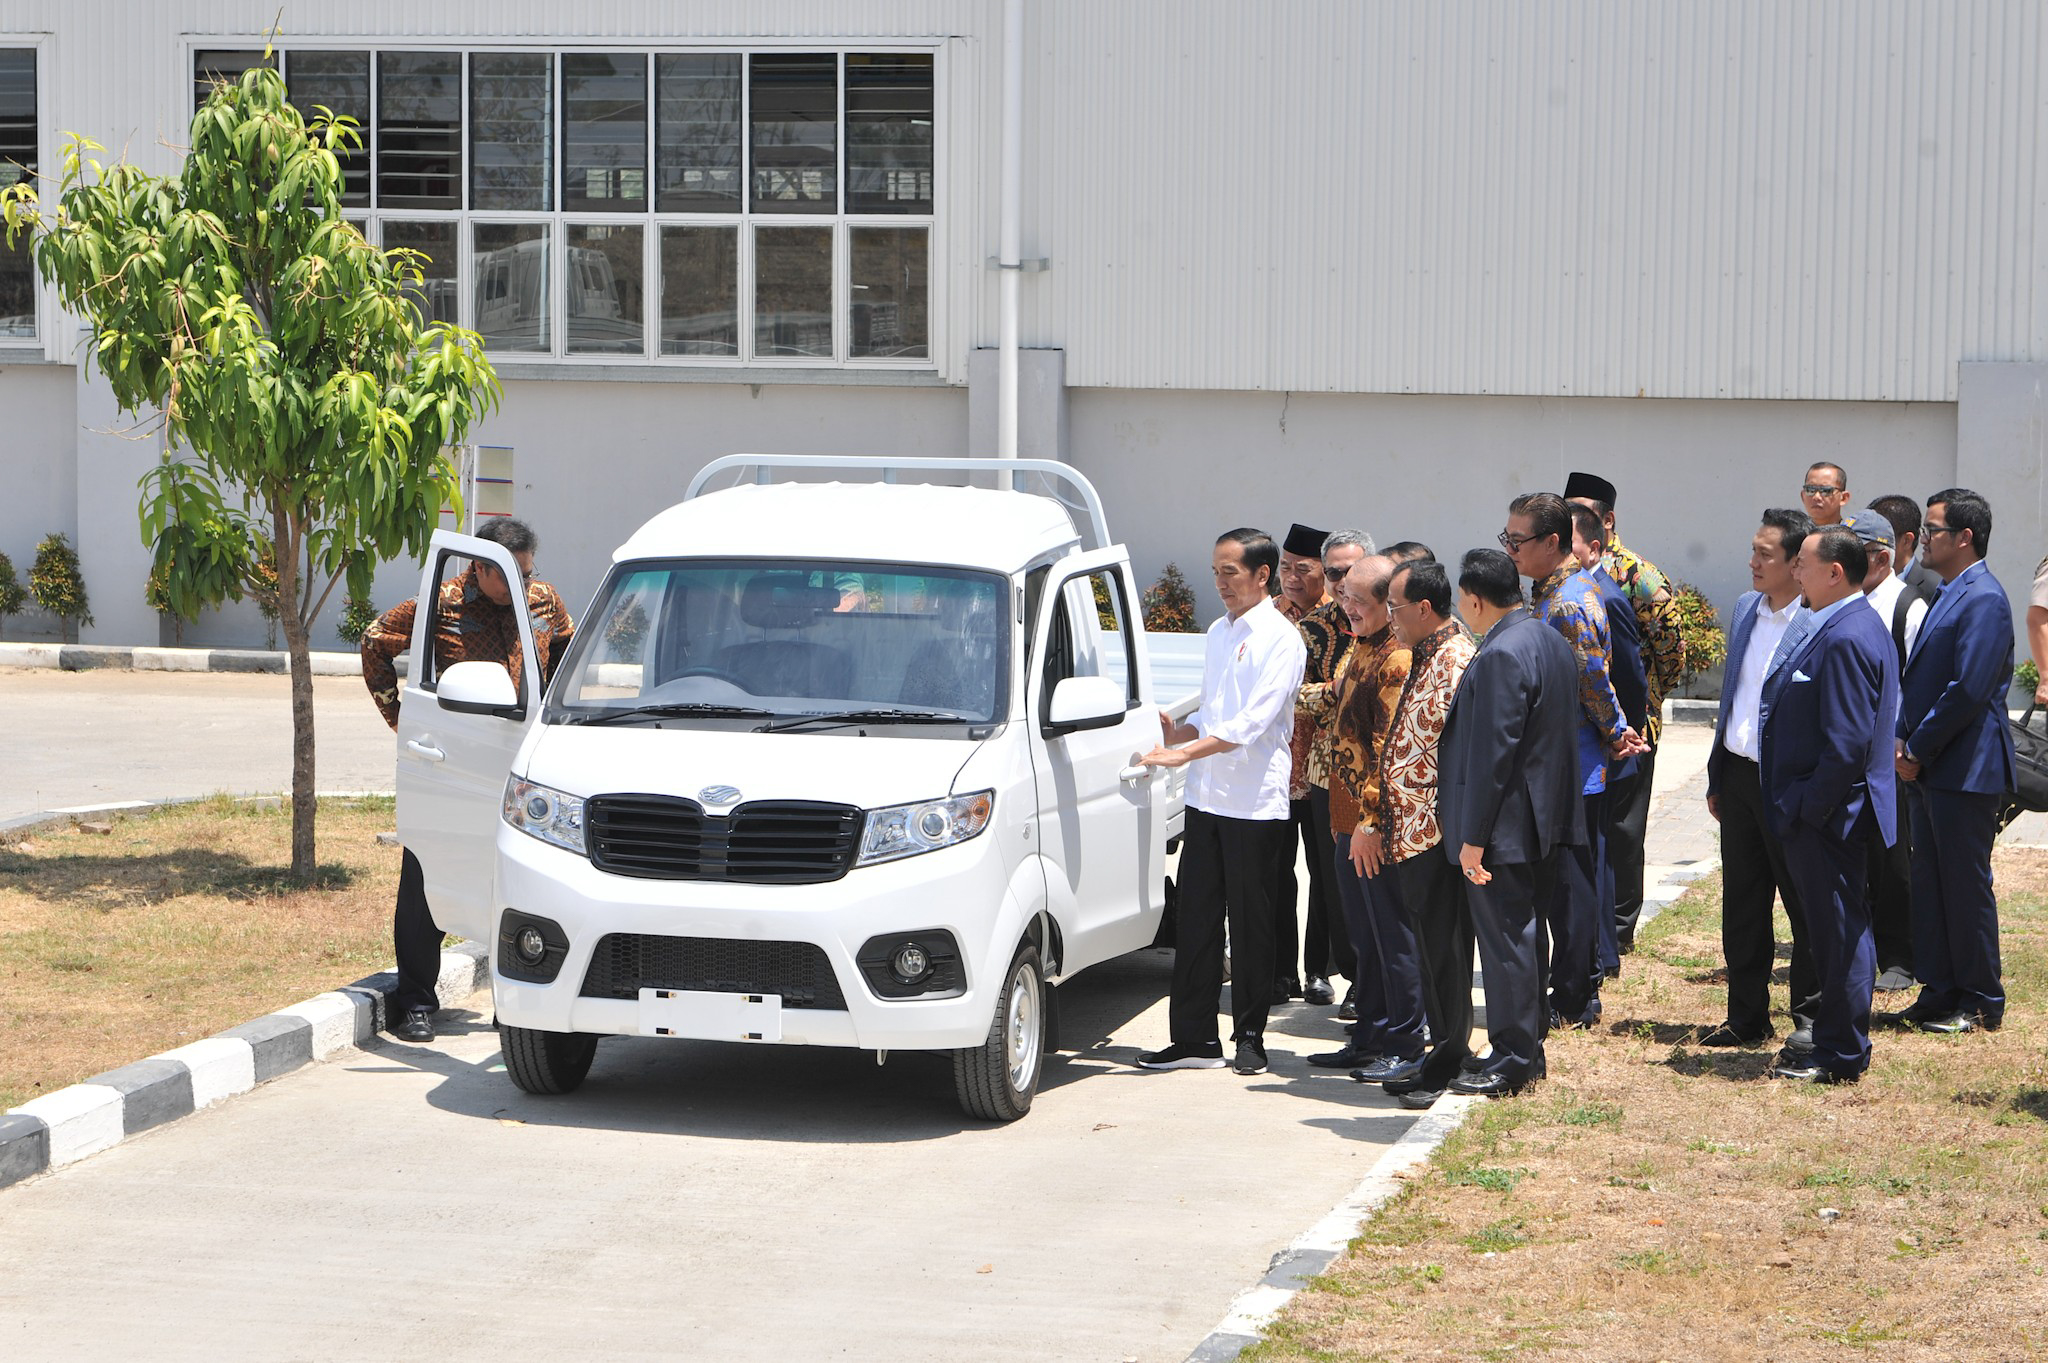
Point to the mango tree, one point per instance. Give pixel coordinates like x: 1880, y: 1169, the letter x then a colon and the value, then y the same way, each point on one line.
x: 304, y: 403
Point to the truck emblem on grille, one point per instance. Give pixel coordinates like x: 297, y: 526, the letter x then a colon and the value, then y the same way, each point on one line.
x: 718, y: 795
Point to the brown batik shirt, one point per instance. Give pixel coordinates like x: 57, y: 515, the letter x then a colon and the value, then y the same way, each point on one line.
x: 1326, y: 631
x: 468, y: 627
x: 1362, y: 704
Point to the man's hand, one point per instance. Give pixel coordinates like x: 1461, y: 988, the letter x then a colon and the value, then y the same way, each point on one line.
x: 2041, y: 693
x: 1165, y: 757
x: 1714, y: 807
x: 1367, y: 854
x: 1630, y: 744
x: 1470, y: 859
x: 1906, y: 767
x: 1171, y: 733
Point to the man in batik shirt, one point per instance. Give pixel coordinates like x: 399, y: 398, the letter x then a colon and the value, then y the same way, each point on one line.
x: 1539, y: 539
x: 473, y: 620
x: 1663, y: 647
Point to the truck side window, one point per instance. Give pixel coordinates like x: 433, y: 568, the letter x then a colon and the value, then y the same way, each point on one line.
x: 1090, y: 633
x: 452, y: 568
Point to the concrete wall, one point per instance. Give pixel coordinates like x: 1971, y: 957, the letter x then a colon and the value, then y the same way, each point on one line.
x: 1175, y: 469
x: 38, y: 481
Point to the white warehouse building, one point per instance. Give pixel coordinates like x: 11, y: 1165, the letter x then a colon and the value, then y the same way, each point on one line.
x: 1381, y: 263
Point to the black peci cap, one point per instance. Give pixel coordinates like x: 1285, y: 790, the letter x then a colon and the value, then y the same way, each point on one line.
x: 1304, y: 541
x: 1591, y: 486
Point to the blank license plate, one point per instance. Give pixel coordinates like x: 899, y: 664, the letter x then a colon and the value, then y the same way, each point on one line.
x: 704, y: 1016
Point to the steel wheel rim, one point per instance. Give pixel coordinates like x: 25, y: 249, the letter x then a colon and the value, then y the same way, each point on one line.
x: 1021, y: 1032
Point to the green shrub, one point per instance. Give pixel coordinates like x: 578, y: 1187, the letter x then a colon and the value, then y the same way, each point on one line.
x: 357, y: 615
x: 56, y: 583
x: 1699, y: 630
x: 1169, y: 604
x: 11, y: 594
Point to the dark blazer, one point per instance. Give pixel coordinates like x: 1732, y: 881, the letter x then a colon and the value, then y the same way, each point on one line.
x: 1740, y: 626
x: 1624, y: 663
x: 1952, y: 696
x: 1508, y: 762
x: 1827, y: 751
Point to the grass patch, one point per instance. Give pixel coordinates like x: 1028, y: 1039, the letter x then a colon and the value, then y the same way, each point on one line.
x: 178, y: 923
x: 1656, y: 1200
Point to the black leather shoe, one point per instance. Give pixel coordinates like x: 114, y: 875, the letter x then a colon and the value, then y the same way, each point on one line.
x: 1342, y: 1060
x: 1487, y: 1084
x: 1418, y: 1100
x: 1347, y: 1011
x: 1386, y: 1068
x: 416, y: 1025
x: 1806, y: 1072
x: 1318, y: 991
x: 1799, y: 1041
x: 1725, y: 1035
x: 1955, y: 1024
x: 1918, y: 1011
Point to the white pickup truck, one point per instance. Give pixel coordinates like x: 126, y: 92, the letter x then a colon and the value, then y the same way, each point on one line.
x: 829, y: 763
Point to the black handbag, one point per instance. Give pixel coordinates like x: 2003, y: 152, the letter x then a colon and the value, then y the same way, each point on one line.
x: 2030, y: 768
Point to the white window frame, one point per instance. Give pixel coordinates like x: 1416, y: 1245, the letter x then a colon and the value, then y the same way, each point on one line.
x: 840, y: 220
x: 47, y: 311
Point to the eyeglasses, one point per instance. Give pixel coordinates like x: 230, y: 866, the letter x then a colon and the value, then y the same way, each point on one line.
x: 1512, y: 542
x: 1335, y: 574
x: 525, y: 574
x: 1396, y: 610
x: 1941, y: 530
x: 1819, y: 489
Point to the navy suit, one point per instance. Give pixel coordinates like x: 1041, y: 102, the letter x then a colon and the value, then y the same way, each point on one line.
x: 1753, y: 868
x: 1829, y: 782
x: 1632, y: 688
x: 1952, y: 718
x: 1508, y: 781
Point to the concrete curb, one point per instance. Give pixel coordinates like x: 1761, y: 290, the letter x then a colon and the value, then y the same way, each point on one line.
x: 85, y: 657
x: 1322, y: 1244
x: 73, y: 813
x: 64, y: 1127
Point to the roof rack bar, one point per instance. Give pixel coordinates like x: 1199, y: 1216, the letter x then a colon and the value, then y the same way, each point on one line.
x: 763, y: 466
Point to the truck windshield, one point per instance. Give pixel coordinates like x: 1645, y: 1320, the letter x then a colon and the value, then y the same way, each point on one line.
x: 732, y: 640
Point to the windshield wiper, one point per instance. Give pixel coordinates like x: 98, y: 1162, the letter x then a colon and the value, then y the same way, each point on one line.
x: 704, y: 709
x: 868, y: 717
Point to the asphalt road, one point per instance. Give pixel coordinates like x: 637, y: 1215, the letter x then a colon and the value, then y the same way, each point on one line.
x: 81, y: 738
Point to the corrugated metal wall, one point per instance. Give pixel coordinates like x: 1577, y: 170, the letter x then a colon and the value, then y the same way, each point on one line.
x: 1832, y: 199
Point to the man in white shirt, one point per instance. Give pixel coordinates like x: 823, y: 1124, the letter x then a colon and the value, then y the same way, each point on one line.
x: 1237, y: 747
x: 1753, y: 869
x: 1889, y: 876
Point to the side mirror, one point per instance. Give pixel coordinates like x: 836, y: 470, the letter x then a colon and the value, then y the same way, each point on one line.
x: 1085, y: 703
x: 479, y: 688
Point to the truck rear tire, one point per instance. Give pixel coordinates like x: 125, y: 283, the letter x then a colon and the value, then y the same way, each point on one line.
x: 997, y: 1079
x: 547, y: 1063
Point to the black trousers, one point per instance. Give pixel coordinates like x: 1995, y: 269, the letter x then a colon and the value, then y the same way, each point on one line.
x: 1287, y: 906
x: 1369, y: 972
x: 1891, y: 892
x: 1504, y: 922
x: 1628, y: 823
x: 1380, y: 917
x: 1572, y: 916
x: 1441, y: 921
x: 1955, y: 916
x: 1753, y: 871
x: 416, y: 941
x: 1829, y: 872
x: 1325, y: 944
x: 1228, y: 870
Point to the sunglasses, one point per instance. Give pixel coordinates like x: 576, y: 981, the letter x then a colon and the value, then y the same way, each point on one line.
x: 1819, y: 489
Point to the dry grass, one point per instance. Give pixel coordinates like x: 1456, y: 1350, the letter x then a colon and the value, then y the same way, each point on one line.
x: 1655, y: 1201
x: 174, y: 926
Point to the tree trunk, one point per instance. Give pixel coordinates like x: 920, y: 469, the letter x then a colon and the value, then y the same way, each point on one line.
x: 295, y: 638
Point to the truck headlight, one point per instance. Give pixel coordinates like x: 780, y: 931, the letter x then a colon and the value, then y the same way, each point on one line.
x: 545, y: 813
x: 906, y: 830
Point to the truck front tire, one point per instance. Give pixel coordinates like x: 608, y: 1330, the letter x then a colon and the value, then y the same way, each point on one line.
x: 997, y: 1079
x: 547, y: 1063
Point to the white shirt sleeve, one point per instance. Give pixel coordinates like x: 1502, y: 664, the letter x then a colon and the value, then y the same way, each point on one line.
x: 1272, y: 695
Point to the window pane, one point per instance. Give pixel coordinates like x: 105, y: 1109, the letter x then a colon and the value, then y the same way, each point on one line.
x: 700, y: 291
x: 214, y: 68
x: 508, y: 286
x: 341, y: 81
x: 419, y: 130
x: 697, y: 133
x: 604, y: 132
x: 17, y: 161
x: 607, y: 278
x: 888, y: 134
x: 793, y: 292
x: 891, y: 293
x: 435, y: 298
x: 796, y: 133
x: 511, y: 131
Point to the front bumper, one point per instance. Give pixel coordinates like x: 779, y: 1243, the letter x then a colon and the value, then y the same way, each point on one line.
x: 962, y: 889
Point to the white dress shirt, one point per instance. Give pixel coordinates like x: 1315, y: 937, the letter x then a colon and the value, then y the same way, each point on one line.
x: 1745, y: 736
x: 1884, y: 599
x: 1251, y: 674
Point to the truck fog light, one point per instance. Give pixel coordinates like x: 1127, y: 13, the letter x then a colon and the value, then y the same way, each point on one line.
x: 911, y: 963
x: 531, y: 946
x: 933, y: 824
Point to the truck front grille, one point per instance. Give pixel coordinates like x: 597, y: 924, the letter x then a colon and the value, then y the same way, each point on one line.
x: 769, y: 842
x: 627, y: 962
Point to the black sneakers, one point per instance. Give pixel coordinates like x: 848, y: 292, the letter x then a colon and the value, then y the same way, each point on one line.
x: 416, y: 1025
x: 1207, y: 1055
x: 1251, y: 1056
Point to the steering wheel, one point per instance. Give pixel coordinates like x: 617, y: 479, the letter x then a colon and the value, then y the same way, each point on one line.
x: 716, y: 674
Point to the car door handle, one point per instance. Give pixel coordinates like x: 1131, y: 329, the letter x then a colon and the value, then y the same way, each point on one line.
x: 426, y: 750
x: 1130, y: 776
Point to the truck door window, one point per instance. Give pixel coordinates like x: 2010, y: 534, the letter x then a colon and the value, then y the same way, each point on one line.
x: 1090, y: 633
x: 454, y: 631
